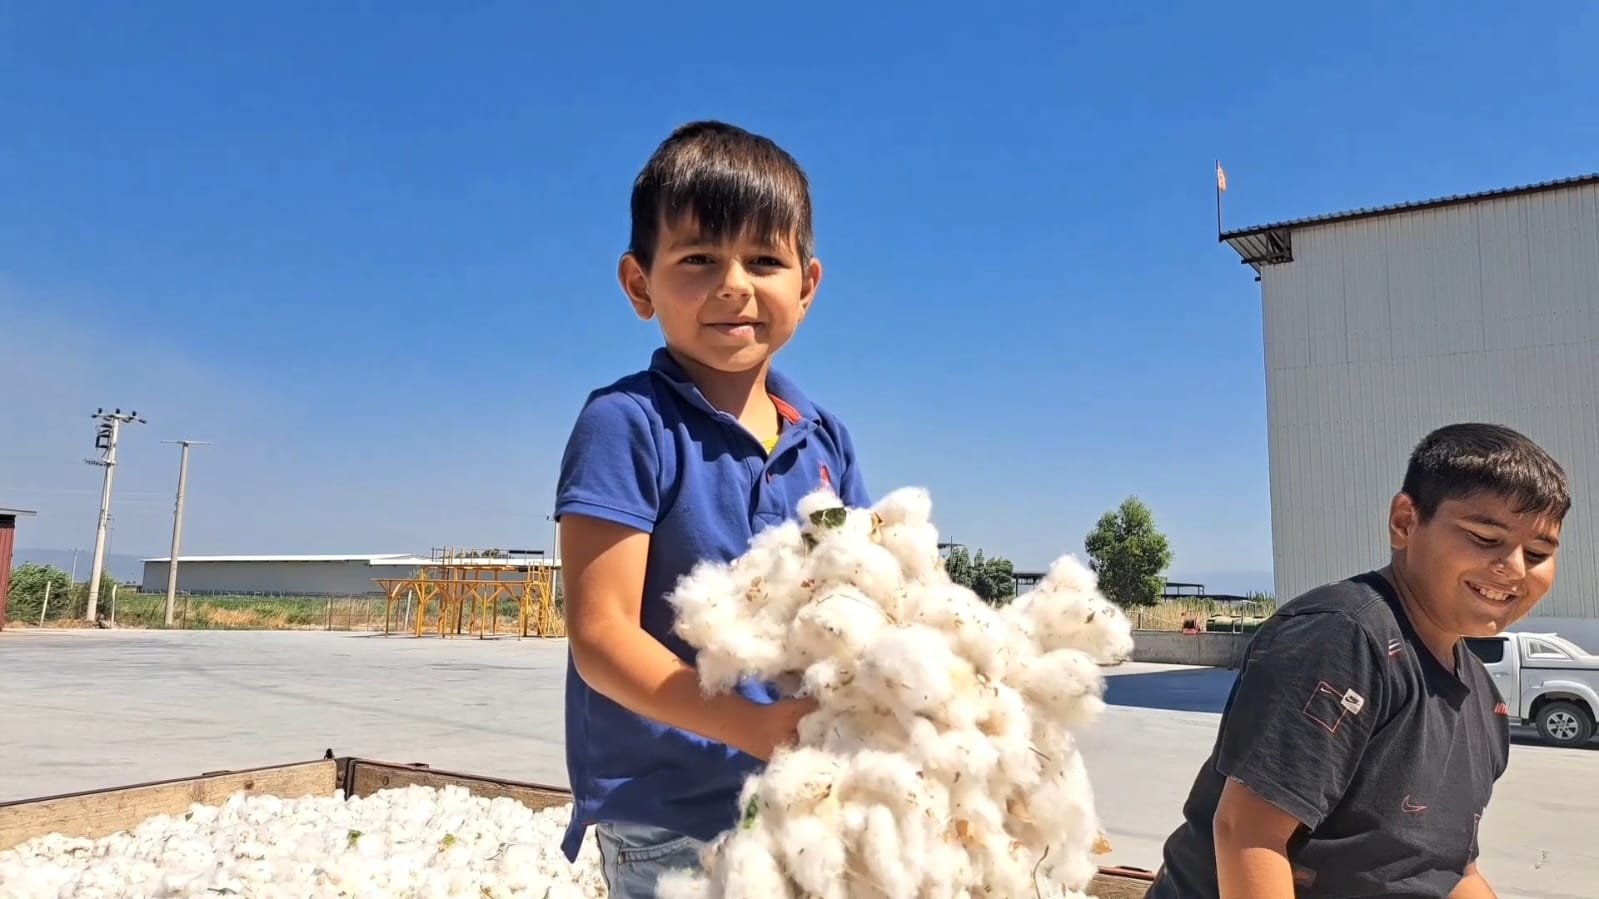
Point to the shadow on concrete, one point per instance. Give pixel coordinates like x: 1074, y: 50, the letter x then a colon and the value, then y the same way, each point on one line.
x: 1528, y: 736
x: 1205, y: 690
x: 1192, y: 690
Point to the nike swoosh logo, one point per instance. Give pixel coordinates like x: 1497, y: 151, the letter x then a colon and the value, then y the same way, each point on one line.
x: 1407, y: 806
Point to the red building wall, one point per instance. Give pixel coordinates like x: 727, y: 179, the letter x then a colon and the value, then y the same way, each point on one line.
x: 8, y: 532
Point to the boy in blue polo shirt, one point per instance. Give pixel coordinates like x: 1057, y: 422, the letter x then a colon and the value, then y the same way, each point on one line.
x: 681, y: 462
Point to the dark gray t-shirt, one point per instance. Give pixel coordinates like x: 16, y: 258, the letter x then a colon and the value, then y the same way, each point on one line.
x: 1342, y: 718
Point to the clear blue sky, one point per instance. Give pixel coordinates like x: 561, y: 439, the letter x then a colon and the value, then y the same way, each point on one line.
x: 369, y: 248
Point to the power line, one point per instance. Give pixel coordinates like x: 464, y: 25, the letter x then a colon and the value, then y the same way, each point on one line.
x: 105, y: 440
x: 177, y: 523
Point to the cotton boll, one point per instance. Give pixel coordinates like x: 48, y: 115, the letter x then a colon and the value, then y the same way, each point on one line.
x: 840, y: 623
x: 1068, y: 574
x: 915, y: 548
x: 1066, y: 611
x: 944, y: 724
x: 814, y: 855
x: 913, y: 669
x: 750, y: 861
x: 798, y: 780
x: 882, y: 854
x: 906, y: 505
x: 854, y: 559
x: 1065, y: 682
x: 907, y: 532
x: 963, y: 753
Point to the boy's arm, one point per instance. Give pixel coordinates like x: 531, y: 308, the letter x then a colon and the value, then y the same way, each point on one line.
x: 1307, y: 700
x: 1252, y: 846
x: 1474, y: 886
x: 607, y: 501
x: 604, y: 569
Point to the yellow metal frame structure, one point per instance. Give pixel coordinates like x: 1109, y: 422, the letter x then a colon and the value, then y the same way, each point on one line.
x: 466, y: 588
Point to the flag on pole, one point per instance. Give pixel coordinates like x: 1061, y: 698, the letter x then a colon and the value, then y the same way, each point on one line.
x: 1221, y: 178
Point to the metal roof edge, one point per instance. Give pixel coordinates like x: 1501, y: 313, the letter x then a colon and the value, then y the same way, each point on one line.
x: 1410, y: 206
x: 289, y: 557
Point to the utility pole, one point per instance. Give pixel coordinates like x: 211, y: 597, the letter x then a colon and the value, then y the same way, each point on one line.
x: 177, y: 521
x: 105, y: 440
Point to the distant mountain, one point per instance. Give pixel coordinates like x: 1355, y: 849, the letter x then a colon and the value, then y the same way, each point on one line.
x: 124, y: 568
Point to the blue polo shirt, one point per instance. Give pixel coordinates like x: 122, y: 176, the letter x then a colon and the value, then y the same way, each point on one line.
x: 649, y: 452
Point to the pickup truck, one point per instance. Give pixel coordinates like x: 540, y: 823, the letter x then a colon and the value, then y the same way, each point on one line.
x: 1546, y: 681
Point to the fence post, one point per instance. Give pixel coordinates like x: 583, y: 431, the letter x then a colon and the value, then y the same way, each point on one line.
x: 330, y: 613
x: 114, y: 604
x: 45, y: 607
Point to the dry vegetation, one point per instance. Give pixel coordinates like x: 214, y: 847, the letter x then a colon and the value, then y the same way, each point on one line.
x: 1229, y: 617
x: 337, y: 613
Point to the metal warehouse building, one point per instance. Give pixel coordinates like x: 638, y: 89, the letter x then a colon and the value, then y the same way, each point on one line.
x: 315, y: 575
x: 1383, y: 324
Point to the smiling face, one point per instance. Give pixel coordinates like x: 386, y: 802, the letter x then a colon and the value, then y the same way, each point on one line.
x: 723, y: 305
x: 1475, y: 567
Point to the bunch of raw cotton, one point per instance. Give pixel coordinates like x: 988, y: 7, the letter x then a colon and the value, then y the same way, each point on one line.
x: 405, y: 842
x: 941, y: 761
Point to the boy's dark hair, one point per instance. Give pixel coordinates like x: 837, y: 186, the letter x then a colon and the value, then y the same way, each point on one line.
x: 1460, y: 460
x: 725, y: 180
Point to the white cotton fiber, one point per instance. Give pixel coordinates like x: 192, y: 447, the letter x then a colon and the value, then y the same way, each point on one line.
x: 940, y: 762
x: 403, y: 842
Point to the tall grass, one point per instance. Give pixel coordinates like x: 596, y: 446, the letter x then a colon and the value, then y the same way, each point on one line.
x: 338, y: 613
x: 1175, y: 614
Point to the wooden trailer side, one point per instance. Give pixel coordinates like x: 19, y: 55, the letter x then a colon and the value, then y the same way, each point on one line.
x: 99, y: 813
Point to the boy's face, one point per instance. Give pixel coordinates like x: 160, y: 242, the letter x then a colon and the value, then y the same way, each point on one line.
x: 728, y: 307
x: 1477, y: 566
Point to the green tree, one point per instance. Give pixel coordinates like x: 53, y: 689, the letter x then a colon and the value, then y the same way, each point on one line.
x: 992, y: 578
x: 1129, y: 555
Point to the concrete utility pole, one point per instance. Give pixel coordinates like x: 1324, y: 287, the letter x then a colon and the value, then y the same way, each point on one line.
x: 105, y: 440
x: 177, y: 522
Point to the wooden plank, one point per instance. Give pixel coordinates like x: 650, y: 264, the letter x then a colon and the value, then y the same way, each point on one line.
x: 1120, y: 883
x: 100, y: 813
x: 364, y: 777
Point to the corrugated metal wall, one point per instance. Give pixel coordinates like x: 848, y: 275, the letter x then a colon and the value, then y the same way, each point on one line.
x: 1384, y: 328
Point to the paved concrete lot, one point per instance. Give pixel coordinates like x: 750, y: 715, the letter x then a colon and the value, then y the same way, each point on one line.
x: 84, y: 710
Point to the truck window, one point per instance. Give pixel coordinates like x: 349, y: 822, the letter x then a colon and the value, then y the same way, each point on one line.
x: 1538, y: 649
x: 1490, y: 649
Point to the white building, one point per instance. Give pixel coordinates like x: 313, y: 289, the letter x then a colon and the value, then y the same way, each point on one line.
x: 1383, y: 324
x: 314, y: 575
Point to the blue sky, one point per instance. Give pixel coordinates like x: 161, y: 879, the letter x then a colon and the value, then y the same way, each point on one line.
x: 369, y: 249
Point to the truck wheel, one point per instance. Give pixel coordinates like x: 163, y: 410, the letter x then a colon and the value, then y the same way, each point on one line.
x: 1563, y: 723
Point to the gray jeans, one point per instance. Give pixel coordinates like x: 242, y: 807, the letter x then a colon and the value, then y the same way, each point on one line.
x: 634, y: 856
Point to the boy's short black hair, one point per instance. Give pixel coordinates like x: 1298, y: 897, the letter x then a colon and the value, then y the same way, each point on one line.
x: 724, y: 179
x: 1460, y: 460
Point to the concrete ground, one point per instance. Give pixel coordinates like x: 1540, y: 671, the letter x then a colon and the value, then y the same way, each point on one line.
x: 84, y: 710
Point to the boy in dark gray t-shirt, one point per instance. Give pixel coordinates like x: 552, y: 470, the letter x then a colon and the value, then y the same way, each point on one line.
x: 1362, y: 740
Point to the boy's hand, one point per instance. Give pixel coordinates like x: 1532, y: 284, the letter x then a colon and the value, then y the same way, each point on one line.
x: 777, y: 725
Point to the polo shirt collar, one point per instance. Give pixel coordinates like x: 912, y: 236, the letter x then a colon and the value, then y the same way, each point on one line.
x: 778, y: 385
